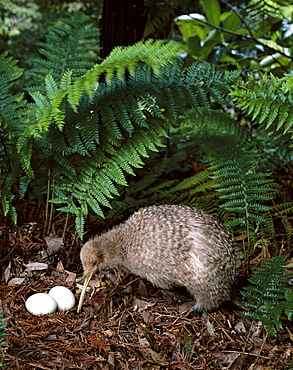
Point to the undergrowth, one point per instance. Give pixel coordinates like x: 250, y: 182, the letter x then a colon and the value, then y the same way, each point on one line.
x: 99, y: 138
x: 269, y: 295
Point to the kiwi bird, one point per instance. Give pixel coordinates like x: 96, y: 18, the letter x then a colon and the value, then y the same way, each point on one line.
x: 169, y: 245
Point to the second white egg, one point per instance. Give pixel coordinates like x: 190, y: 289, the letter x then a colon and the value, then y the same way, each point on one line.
x: 63, y: 296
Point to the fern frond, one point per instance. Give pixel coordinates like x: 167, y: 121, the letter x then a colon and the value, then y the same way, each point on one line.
x: 284, y: 211
x: 237, y: 179
x: 268, y: 9
x: 123, y: 140
x: 71, y: 46
x: 196, y: 183
x: 90, y: 134
x: 13, y: 116
x: 267, y: 100
x: 124, y: 59
x: 269, y: 295
x: 2, y: 333
x: 149, y: 187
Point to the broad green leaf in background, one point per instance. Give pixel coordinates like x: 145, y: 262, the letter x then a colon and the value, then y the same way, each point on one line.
x: 213, y: 11
x: 191, y: 25
x: 231, y: 22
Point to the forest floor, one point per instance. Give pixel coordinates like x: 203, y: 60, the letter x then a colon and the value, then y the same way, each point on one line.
x: 125, y: 323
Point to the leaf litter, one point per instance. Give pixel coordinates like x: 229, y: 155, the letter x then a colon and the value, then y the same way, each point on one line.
x: 125, y: 322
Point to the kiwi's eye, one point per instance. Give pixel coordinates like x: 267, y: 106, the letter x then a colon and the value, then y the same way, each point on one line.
x: 94, y: 263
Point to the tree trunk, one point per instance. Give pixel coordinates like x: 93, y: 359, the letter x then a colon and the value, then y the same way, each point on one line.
x: 123, y: 23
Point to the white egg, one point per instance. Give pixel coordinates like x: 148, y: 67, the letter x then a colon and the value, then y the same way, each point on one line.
x: 40, y: 304
x: 63, y: 296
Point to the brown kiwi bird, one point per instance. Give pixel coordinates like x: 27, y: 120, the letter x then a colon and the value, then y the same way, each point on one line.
x: 169, y: 245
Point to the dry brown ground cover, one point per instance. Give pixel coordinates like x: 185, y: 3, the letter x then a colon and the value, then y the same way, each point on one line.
x: 124, y: 324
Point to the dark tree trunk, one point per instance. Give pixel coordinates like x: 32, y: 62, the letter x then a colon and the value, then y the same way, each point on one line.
x: 123, y: 23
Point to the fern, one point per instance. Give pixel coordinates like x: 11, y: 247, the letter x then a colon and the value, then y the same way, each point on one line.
x: 2, y: 335
x: 268, y: 10
x: 269, y: 101
x: 198, y: 124
x: 12, y: 118
x: 269, y: 295
x: 284, y: 211
x: 77, y: 40
x: 233, y: 165
x: 239, y: 182
x: 147, y: 188
x: 158, y: 183
x: 87, y: 135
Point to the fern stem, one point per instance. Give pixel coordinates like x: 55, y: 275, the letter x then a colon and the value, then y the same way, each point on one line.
x: 65, y: 226
x: 245, y: 346
x: 247, y: 230
x: 48, y: 213
x: 50, y: 216
x: 47, y: 204
x: 260, y: 350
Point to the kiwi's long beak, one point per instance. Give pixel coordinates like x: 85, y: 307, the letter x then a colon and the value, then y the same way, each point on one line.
x: 81, y: 298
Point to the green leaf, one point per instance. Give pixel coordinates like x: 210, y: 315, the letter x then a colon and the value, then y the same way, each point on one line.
x: 51, y: 86
x: 190, y: 26
x: 213, y: 11
x: 231, y: 23
x: 269, y: 295
x: 194, y: 45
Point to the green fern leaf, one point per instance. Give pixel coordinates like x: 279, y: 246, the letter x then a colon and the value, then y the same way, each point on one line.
x: 79, y: 223
x: 268, y: 101
x: 233, y: 169
x: 269, y: 295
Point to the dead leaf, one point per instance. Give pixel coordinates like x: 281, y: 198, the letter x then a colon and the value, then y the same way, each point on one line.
x: 51, y: 337
x: 147, y: 316
x: 96, y: 283
x: 108, y: 333
x: 111, y: 360
x: 240, y: 237
x: 288, y: 352
x: 140, y: 304
x: 70, y: 278
x: 169, y: 335
x: 231, y: 357
x: 185, y: 307
x: 256, y: 330
x: 54, y: 244
x: 266, y: 253
x: 188, y: 343
x: 36, y: 266
x: 157, y: 358
x: 128, y: 290
x: 143, y: 342
x: 218, y: 354
x: 240, y: 328
x: 60, y: 267
x: 16, y: 281
x: 198, y: 166
x: 7, y: 272
x: 290, y: 334
x: 210, y: 328
x: 142, y: 288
